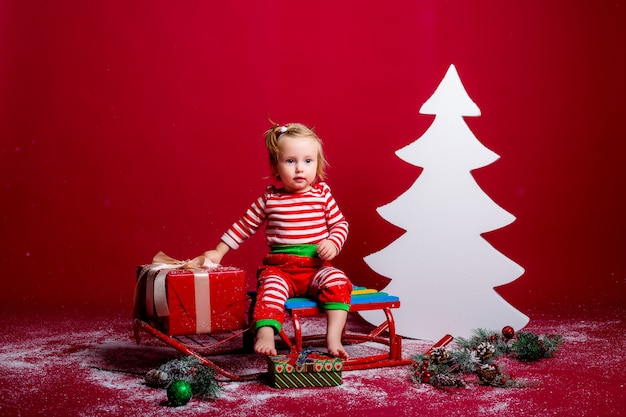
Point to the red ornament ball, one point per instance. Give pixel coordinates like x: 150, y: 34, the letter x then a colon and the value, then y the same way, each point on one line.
x: 508, y: 332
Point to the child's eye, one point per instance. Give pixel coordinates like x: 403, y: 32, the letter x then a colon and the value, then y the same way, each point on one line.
x: 289, y: 161
x: 308, y: 161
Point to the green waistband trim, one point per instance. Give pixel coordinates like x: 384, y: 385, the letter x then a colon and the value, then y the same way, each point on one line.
x: 310, y: 251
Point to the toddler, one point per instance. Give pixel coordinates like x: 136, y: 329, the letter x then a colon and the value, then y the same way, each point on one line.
x: 305, y: 230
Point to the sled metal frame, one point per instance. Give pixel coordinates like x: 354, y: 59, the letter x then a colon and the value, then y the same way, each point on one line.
x: 201, y: 346
x: 384, y: 334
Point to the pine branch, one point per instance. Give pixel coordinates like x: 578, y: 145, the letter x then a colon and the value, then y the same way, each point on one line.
x: 442, y: 367
x: 201, y: 377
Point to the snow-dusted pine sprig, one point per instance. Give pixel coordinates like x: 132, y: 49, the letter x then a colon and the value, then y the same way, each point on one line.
x: 466, y: 361
x: 501, y: 344
x: 529, y: 346
x: 187, y: 368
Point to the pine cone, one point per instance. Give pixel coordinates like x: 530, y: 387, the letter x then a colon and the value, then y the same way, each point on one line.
x: 439, y: 355
x: 485, y: 350
x: 487, y: 373
x: 446, y: 380
x: 156, y: 378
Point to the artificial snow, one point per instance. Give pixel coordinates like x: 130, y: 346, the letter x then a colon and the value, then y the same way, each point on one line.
x: 81, y: 365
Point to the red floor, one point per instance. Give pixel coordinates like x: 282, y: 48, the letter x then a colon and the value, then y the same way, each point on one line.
x: 74, y: 363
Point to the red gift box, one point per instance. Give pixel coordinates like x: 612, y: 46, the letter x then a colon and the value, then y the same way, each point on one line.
x: 191, y: 301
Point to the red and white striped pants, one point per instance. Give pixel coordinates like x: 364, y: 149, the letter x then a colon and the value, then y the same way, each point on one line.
x: 283, y: 276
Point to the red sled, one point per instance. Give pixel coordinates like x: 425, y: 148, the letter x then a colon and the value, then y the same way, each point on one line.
x: 205, y: 311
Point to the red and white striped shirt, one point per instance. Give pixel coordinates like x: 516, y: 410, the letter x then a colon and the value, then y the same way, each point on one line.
x: 292, y: 219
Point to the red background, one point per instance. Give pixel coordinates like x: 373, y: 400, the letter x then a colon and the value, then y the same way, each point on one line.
x: 132, y: 127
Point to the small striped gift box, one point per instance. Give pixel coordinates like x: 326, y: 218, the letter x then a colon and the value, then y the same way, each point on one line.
x: 305, y: 370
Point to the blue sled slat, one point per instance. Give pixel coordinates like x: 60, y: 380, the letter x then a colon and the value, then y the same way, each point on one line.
x: 378, y: 297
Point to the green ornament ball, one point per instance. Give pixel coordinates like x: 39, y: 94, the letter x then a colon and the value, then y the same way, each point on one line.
x: 179, y: 393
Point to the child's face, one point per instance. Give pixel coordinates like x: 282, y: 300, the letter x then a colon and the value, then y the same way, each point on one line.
x: 297, y: 162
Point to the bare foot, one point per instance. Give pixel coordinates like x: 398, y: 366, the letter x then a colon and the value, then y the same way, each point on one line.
x: 265, y: 344
x: 338, y: 351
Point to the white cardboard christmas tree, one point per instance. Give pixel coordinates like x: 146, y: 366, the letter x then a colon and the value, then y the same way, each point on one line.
x: 441, y: 267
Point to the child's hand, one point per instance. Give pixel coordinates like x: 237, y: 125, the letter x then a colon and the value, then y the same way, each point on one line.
x: 213, y: 256
x: 327, y: 250
x: 217, y: 254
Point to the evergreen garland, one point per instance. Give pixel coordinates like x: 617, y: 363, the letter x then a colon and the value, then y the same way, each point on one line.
x: 445, y: 367
x: 201, y: 377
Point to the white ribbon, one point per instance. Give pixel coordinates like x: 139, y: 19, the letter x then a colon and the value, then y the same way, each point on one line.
x: 202, y: 292
x: 160, y: 293
x: 156, y: 295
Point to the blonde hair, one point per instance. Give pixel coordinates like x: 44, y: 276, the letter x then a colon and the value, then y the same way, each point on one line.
x: 273, y: 135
